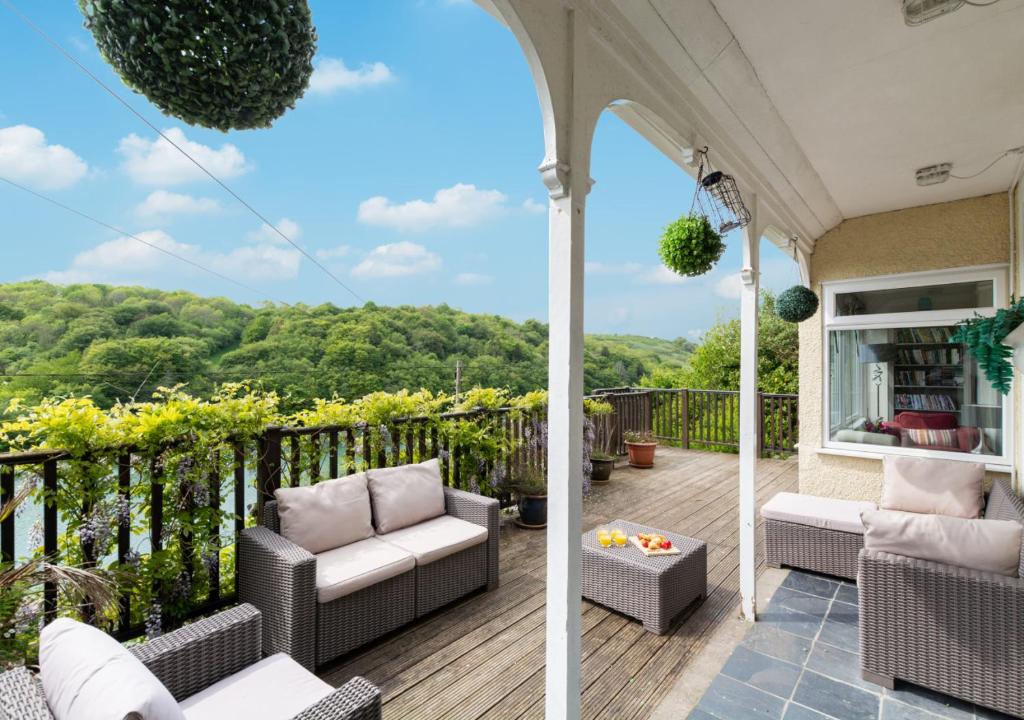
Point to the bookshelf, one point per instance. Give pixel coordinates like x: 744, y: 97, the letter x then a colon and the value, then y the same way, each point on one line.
x: 928, y: 373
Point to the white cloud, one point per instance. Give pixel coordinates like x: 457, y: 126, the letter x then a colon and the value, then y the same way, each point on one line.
x: 458, y: 206
x: 331, y: 75
x: 123, y: 259
x: 661, y: 275
x: 468, y: 278
x: 696, y: 335
x: 533, y: 207
x: 729, y: 286
x: 334, y: 253
x: 161, y: 204
x: 600, y: 268
x: 157, y: 162
x: 291, y: 229
x: 399, y: 259
x: 25, y: 157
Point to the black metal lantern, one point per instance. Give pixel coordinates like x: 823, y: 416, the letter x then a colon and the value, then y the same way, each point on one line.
x: 721, y: 199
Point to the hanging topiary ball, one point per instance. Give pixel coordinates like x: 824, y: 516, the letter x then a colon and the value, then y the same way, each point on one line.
x: 691, y: 246
x: 796, y: 304
x: 223, y: 65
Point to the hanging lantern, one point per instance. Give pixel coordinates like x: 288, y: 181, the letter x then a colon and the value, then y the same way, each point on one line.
x: 719, y: 198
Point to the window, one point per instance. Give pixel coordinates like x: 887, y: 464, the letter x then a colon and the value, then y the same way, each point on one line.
x: 896, y: 382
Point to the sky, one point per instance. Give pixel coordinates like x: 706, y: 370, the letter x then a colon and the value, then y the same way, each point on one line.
x: 409, y: 169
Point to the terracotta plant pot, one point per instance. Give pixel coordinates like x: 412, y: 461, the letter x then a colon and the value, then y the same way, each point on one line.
x: 533, y: 511
x: 641, y: 455
x: 601, y: 469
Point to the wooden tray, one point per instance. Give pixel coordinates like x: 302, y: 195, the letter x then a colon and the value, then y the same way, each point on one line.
x: 660, y: 551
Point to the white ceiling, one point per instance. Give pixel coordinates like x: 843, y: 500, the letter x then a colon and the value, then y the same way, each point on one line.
x: 869, y: 100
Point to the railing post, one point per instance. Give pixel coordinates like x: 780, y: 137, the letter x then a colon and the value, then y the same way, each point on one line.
x: 760, y: 424
x: 50, y: 535
x: 7, y: 526
x: 268, y: 467
x: 685, y: 419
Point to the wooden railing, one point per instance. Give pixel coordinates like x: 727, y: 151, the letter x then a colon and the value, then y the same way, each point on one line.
x: 706, y: 419
x: 245, y: 474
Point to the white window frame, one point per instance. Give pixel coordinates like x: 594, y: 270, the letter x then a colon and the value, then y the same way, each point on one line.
x: 998, y: 274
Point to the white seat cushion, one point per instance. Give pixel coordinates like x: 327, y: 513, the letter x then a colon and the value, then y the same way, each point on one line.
x: 88, y: 675
x: 347, y: 569
x: 327, y: 515
x: 438, y: 538
x: 275, y: 688
x: 827, y: 513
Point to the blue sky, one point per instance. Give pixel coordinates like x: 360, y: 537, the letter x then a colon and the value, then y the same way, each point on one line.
x: 409, y: 168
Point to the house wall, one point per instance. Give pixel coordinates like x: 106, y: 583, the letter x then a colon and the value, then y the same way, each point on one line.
x: 932, y: 237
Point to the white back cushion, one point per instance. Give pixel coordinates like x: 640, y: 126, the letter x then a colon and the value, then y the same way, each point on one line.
x: 986, y: 545
x: 87, y: 675
x: 929, y: 485
x: 406, y: 495
x: 327, y: 515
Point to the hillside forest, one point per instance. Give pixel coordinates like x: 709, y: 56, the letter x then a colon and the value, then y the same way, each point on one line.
x: 119, y: 343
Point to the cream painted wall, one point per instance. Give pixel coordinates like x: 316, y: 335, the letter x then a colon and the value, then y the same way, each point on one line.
x: 931, y: 237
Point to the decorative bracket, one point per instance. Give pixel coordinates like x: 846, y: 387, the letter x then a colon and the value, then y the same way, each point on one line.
x: 556, y: 177
x: 748, y: 276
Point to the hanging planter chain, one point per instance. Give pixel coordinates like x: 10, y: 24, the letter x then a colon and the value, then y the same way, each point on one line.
x: 717, y: 197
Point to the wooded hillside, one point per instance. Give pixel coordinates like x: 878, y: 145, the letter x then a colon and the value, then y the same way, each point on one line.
x: 116, y: 342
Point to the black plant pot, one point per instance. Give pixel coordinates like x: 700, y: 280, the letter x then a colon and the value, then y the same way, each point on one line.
x: 601, y: 470
x: 533, y: 511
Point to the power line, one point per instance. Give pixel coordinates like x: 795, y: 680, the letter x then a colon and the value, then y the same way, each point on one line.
x: 71, y: 58
x: 136, y: 238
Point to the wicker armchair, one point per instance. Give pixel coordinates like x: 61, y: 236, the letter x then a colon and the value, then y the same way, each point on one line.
x: 193, y: 658
x: 954, y: 630
x: 279, y: 578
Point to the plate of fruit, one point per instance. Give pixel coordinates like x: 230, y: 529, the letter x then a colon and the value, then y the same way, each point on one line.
x: 654, y: 544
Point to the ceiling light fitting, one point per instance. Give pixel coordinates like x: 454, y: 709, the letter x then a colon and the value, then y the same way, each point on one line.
x: 933, y: 174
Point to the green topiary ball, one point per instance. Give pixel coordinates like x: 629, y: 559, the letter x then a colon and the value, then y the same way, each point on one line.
x: 796, y: 304
x: 212, y: 63
x: 691, y: 246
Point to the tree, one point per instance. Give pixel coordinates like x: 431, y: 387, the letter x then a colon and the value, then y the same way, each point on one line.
x: 715, y: 364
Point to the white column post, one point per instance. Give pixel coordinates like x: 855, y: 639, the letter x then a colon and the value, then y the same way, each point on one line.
x: 749, y: 409
x: 565, y: 440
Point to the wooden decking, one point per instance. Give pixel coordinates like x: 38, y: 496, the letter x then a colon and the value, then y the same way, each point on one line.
x: 484, y: 657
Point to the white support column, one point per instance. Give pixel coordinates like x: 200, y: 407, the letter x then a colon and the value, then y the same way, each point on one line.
x: 749, y: 410
x: 565, y: 441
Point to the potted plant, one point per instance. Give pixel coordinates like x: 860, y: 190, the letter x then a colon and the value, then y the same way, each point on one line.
x: 532, y: 497
x: 984, y: 338
x: 691, y: 246
x: 641, y: 446
x: 596, y: 440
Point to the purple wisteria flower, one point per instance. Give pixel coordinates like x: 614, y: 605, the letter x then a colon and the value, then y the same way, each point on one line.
x: 154, y: 621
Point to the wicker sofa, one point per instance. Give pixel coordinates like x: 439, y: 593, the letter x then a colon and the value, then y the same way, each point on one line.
x: 951, y: 629
x: 281, y: 579
x: 192, y: 660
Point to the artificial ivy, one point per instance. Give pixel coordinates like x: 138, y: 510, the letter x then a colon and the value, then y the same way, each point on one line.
x: 983, y: 337
x: 690, y: 246
x: 223, y: 65
x: 796, y: 304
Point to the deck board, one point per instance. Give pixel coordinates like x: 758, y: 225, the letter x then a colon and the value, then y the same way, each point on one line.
x: 483, y: 657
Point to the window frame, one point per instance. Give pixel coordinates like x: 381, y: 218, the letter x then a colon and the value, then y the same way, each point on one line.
x: 997, y: 273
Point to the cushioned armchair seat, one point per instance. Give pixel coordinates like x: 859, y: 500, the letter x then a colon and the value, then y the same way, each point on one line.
x: 350, y: 568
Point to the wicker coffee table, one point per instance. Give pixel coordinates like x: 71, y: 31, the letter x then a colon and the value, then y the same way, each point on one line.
x: 652, y: 589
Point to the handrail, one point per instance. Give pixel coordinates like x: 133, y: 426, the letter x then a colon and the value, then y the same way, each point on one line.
x: 286, y: 455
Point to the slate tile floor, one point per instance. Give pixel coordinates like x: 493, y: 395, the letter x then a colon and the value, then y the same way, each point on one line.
x: 800, y: 662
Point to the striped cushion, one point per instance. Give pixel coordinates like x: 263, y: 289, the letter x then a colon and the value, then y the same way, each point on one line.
x: 939, y: 438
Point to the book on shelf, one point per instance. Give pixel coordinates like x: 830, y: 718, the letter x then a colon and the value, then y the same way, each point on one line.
x: 922, y: 356
x: 923, y: 401
x: 925, y: 335
x: 940, y: 377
